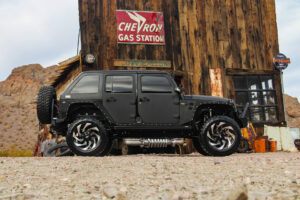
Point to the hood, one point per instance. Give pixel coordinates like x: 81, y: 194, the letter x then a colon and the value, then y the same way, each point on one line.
x: 207, y: 99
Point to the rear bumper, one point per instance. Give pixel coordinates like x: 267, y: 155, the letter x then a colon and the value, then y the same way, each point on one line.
x: 59, y: 125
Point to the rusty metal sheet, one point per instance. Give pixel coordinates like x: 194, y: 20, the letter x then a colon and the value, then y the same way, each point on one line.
x: 216, y: 82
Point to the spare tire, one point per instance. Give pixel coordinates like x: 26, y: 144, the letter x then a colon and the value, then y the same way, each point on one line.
x: 46, y: 101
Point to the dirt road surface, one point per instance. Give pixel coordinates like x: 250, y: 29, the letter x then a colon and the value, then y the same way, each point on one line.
x: 256, y: 176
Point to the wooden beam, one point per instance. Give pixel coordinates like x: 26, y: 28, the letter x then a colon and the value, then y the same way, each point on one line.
x: 238, y: 71
x: 142, y: 63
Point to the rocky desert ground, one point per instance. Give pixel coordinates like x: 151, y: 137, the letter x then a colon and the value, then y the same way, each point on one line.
x: 240, y: 176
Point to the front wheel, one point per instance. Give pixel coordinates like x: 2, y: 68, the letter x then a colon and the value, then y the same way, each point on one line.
x: 199, y: 148
x: 220, y: 136
x: 87, y: 137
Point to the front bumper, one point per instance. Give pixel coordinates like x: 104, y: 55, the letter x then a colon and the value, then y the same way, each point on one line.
x: 243, y: 122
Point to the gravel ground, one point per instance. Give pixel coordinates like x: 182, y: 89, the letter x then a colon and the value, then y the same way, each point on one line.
x: 258, y: 176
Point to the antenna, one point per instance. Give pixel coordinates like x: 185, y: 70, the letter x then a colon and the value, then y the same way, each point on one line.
x: 78, y: 41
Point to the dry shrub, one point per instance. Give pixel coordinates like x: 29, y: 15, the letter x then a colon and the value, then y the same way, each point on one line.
x: 14, y: 151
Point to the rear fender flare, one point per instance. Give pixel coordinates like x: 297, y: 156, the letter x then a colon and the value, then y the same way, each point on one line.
x: 72, y: 107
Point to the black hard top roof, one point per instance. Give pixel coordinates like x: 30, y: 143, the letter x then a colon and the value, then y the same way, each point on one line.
x: 127, y: 71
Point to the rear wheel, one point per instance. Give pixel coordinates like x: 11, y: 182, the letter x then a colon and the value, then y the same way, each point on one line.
x: 87, y: 137
x: 220, y: 136
x: 46, y: 104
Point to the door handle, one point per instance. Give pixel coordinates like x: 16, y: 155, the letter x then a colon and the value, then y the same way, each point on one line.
x: 111, y: 99
x: 144, y: 99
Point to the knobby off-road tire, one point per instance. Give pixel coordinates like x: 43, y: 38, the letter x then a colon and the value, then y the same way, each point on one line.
x: 220, y: 136
x: 198, y: 147
x: 46, y: 100
x: 59, y: 150
x: 87, y: 136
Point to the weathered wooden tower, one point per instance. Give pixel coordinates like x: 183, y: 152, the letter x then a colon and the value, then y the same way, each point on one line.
x: 214, y: 47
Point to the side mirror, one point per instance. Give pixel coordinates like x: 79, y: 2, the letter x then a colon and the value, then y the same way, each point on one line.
x: 179, y: 89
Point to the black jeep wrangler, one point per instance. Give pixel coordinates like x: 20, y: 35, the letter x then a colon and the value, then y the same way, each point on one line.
x: 145, y: 106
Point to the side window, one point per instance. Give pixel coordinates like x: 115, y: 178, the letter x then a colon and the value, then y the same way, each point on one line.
x: 119, y: 84
x: 87, y: 84
x: 155, y: 84
x: 259, y: 91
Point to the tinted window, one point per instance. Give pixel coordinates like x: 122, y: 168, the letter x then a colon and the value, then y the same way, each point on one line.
x: 155, y: 84
x: 87, y: 84
x: 119, y: 84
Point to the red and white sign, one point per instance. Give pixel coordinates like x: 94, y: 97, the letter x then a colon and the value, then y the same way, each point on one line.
x: 140, y: 27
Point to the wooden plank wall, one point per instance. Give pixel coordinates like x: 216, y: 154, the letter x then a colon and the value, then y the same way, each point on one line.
x: 200, y: 34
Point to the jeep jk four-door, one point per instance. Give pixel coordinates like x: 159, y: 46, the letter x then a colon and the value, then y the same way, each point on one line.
x: 99, y: 106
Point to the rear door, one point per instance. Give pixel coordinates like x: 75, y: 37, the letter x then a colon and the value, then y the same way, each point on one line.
x: 158, y: 103
x: 120, y: 97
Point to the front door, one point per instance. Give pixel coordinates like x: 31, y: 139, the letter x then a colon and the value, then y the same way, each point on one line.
x: 120, y: 97
x: 158, y: 103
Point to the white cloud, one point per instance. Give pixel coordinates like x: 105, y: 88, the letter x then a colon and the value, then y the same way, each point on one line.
x: 288, y: 22
x: 37, y: 31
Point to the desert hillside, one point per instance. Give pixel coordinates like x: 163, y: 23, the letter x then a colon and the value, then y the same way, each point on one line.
x: 292, y: 106
x: 18, y: 121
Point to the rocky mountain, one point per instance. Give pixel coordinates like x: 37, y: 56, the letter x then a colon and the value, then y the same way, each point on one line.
x: 292, y: 107
x: 18, y: 121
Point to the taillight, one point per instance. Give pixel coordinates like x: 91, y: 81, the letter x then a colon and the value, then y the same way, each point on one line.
x: 58, y: 105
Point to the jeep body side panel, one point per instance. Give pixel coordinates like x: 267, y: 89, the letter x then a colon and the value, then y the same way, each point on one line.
x: 187, y: 111
x: 119, y: 97
x: 190, y: 104
x: 158, y: 103
x: 69, y: 99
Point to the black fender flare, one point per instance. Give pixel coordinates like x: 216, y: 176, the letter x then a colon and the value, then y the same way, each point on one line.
x: 78, y: 104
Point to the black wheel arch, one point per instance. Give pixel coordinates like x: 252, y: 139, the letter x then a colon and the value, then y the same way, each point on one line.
x: 86, y: 109
x: 210, y: 110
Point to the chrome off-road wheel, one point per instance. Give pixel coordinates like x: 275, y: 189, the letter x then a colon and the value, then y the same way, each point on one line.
x: 87, y: 137
x: 220, y: 136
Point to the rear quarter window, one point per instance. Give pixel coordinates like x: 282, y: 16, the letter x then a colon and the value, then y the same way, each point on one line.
x: 87, y: 84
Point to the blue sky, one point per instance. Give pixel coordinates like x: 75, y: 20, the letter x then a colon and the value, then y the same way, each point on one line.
x: 46, y: 31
